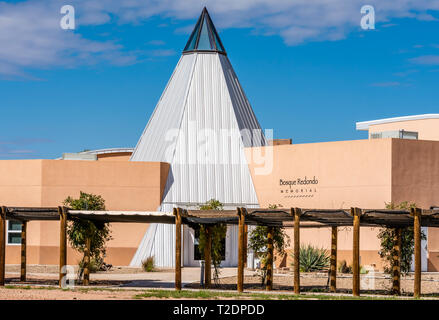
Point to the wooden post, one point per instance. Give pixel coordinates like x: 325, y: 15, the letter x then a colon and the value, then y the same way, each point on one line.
x: 2, y: 245
x: 356, y: 213
x: 396, y: 256
x: 269, y: 285
x: 297, y: 213
x: 245, y: 244
x: 416, y: 213
x: 207, y: 257
x: 240, y: 280
x: 86, y: 281
x: 177, y: 213
x: 23, y: 251
x: 333, y: 266
x: 62, y: 244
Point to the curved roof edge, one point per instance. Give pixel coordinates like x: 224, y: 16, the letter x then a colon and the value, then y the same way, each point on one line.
x: 108, y: 150
x: 364, y: 125
x: 104, y: 151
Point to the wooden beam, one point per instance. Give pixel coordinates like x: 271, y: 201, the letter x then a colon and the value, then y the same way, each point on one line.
x: 177, y: 213
x: 416, y: 213
x: 86, y: 281
x: 23, y: 251
x: 356, y: 213
x: 62, y: 244
x: 269, y: 285
x: 241, y: 228
x: 208, y: 257
x: 2, y: 245
x: 297, y: 213
x: 333, y: 264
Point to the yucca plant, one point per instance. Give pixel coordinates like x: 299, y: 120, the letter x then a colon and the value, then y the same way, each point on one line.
x: 313, y: 259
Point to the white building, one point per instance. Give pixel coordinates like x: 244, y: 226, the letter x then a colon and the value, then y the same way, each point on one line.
x: 201, y: 125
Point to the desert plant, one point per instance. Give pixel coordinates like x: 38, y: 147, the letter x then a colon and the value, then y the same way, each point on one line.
x: 148, y: 265
x: 258, y: 241
x: 218, y: 234
x: 78, y: 230
x: 343, y: 267
x: 93, y: 267
x: 313, y: 259
x: 387, y: 241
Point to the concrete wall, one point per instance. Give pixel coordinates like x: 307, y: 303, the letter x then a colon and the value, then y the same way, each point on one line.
x: 124, y: 185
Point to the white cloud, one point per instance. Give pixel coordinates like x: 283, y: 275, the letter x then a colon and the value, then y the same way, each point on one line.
x: 30, y: 36
x: 426, y: 60
x: 386, y: 84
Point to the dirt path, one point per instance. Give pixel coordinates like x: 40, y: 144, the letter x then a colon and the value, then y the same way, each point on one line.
x: 57, y: 294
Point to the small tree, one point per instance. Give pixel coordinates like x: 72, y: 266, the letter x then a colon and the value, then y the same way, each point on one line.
x: 387, y: 239
x: 258, y: 242
x: 78, y: 230
x: 219, y: 232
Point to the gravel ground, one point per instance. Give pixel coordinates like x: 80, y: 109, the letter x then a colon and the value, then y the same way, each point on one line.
x: 56, y: 294
x: 379, y: 284
x: 34, y: 268
x: 129, y: 278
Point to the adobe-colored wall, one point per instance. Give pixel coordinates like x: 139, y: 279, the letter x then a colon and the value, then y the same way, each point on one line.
x: 124, y: 185
x: 415, y: 178
x: 427, y: 128
x: 349, y: 174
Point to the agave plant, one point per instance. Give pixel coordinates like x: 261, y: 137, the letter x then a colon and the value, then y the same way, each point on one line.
x: 313, y: 259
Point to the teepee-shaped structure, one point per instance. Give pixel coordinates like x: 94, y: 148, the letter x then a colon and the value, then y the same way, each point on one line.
x: 201, y: 125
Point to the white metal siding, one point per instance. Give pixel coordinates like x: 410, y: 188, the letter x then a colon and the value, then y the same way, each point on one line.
x: 203, y: 93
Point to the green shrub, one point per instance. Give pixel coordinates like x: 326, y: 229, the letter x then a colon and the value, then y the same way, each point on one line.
x: 219, y: 232
x: 78, y: 230
x: 258, y: 242
x: 343, y: 267
x: 94, y: 266
x: 148, y: 264
x: 387, y: 241
x: 313, y: 259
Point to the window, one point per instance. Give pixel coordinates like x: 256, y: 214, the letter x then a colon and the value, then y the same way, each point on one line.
x: 14, y: 232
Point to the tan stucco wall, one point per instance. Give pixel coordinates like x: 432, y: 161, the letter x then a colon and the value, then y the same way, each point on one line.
x: 349, y: 173
x: 124, y: 185
x: 415, y: 178
x: 363, y: 173
x: 427, y: 128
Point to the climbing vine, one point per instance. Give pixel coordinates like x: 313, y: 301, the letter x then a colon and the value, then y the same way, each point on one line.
x: 218, y: 234
x: 258, y: 242
x: 387, y: 240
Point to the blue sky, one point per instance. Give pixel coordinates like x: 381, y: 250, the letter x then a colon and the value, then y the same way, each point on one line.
x: 309, y: 70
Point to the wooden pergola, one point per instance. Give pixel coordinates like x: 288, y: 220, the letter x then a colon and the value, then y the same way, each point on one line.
x: 292, y: 218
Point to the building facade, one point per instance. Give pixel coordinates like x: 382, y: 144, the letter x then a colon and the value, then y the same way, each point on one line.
x: 203, y: 142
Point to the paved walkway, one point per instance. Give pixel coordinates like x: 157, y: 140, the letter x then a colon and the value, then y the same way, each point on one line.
x: 158, y: 279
